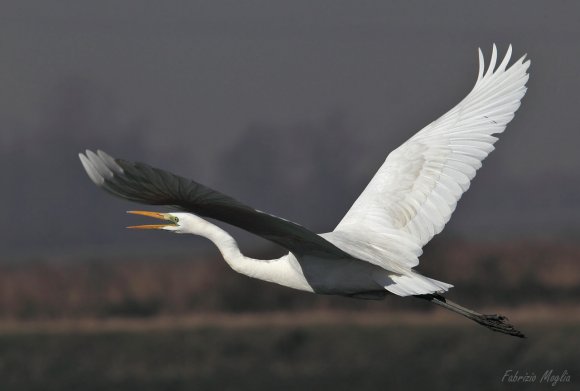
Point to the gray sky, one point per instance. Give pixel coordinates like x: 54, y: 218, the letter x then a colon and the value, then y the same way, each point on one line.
x: 288, y: 106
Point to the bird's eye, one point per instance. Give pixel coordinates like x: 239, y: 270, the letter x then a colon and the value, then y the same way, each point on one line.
x: 175, y: 219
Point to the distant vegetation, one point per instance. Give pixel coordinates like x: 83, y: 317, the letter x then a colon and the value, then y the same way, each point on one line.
x: 483, y: 274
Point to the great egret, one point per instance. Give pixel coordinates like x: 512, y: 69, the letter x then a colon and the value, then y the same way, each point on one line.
x: 373, y: 250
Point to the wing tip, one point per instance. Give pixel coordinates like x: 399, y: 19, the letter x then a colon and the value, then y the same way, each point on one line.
x: 491, y: 70
x: 90, y: 169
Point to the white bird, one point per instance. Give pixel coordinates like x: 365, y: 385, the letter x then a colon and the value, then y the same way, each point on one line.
x: 375, y: 247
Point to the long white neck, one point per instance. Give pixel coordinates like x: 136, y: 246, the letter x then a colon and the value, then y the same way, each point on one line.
x: 230, y: 250
x: 284, y: 271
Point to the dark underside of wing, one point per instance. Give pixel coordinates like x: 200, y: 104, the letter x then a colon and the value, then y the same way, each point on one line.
x: 145, y: 184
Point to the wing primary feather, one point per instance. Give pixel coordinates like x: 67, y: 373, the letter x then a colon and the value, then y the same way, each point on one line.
x: 109, y: 162
x: 481, y: 66
x: 91, y: 171
x: 506, y: 60
x: 491, y: 62
x: 418, y: 187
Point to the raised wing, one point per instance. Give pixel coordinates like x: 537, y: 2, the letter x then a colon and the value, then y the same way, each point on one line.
x: 417, y: 188
x: 142, y: 183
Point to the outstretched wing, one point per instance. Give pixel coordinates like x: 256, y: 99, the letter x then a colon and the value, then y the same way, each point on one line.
x: 417, y: 188
x: 142, y: 183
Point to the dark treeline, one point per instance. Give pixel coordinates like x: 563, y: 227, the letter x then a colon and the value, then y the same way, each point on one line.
x: 484, y: 275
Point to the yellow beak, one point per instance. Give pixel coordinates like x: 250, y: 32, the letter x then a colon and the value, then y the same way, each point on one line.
x: 155, y: 215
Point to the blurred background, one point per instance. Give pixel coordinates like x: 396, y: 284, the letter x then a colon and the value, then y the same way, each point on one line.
x: 290, y: 107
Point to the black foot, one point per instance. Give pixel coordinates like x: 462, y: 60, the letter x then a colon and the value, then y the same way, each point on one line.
x: 498, y: 323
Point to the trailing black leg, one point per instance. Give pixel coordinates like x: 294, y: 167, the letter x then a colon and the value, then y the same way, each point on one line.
x: 497, y: 323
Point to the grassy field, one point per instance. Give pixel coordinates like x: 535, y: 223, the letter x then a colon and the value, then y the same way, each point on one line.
x: 252, y: 353
x: 167, y: 323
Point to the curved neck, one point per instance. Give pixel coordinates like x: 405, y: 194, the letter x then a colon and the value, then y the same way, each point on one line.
x: 229, y: 249
x: 284, y: 271
x: 227, y: 246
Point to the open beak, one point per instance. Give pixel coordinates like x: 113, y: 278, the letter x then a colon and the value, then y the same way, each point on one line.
x: 155, y: 215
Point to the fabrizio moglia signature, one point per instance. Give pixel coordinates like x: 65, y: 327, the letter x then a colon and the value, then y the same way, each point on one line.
x: 550, y: 376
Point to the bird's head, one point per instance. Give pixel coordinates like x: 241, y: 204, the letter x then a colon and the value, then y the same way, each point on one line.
x: 174, y: 222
